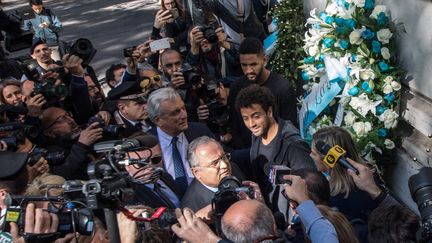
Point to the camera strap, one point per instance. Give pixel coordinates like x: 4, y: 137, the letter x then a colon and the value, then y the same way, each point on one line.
x: 41, y: 238
x: 241, y: 18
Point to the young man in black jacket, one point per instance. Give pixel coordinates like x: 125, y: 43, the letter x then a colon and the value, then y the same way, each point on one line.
x: 274, y: 141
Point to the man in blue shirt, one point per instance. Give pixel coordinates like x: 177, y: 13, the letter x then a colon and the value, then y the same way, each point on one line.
x: 45, y: 26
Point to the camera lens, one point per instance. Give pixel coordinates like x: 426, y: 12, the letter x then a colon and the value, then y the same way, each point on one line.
x: 420, y: 186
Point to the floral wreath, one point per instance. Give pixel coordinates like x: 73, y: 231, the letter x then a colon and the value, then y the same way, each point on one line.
x: 354, y: 36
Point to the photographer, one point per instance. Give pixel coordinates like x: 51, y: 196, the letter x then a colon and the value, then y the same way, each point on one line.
x: 63, y: 134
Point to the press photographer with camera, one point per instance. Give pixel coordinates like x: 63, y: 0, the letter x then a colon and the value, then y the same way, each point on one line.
x: 63, y: 134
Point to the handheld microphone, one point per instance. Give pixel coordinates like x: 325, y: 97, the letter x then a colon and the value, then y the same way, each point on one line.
x: 334, y: 154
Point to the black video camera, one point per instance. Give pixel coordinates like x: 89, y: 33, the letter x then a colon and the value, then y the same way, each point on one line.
x: 82, y: 48
x: 71, y: 218
x: 218, y: 112
x: 14, y: 133
x: 190, y: 75
x: 13, y: 112
x: 110, y: 130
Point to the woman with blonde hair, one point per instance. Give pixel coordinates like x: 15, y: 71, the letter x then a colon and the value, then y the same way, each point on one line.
x: 345, y: 195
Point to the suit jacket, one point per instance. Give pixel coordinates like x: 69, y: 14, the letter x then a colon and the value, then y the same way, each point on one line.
x: 126, y: 128
x: 198, y: 196
x: 146, y: 196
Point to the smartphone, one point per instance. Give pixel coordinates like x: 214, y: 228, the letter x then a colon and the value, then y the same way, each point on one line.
x: 174, y: 13
x: 159, y: 45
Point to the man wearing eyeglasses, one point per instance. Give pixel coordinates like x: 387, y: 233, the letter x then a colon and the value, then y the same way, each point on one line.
x: 63, y: 134
x: 209, y: 164
x: 152, y: 186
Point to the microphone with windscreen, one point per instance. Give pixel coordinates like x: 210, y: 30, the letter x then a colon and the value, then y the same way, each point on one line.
x: 334, y: 154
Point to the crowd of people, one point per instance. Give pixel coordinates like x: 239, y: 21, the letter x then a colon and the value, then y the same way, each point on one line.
x: 206, y: 110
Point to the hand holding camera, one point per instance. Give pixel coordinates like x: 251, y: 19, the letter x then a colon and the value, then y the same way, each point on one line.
x: 297, y: 191
x: 196, y: 36
x: 35, y: 104
x: 177, y: 79
x: 203, y: 112
x: 91, y: 134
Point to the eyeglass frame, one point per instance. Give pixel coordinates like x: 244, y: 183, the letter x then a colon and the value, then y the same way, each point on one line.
x: 215, y: 164
x: 61, y: 118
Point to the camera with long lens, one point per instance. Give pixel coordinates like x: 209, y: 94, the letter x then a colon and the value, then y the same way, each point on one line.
x: 218, y: 112
x: 71, y: 217
x: 420, y: 186
x: 209, y: 32
x: 82, y: 48
x: 14, y: 134
x: 228, y: 194
x: 190, y: 75
x: 109, y: 130
x: 53, y: 158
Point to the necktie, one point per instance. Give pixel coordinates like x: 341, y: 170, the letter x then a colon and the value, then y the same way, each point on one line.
x: 161, y: 194
x: 179, y: 170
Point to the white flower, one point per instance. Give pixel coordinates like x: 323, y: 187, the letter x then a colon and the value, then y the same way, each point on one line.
x: 313, y: 50
x: 389, y: 117
x: 349, y: 118
x: 362, y: 128
x: 332, y: 9
x: 388, y: 79
x: 367, y: 74
x: 385, y: 52
x: 362, y: 104
x: 384, y: 35
x: 377, y: 10
x: 389, y: 144
x: 396, y: 85
x: 387, y: 89
x: 355, y: 37
x: 359, y: 3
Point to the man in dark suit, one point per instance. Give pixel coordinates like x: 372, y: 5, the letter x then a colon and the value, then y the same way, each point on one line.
x: 209, y: 164
x: 131, y: 112
x: 167, y: 111
x: 152, y: 186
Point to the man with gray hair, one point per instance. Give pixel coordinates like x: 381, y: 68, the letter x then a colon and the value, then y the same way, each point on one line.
x: 167, y: 111
x: 210, y: 164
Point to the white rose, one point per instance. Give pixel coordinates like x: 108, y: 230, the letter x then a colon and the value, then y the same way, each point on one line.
x: 384, y: 35
x: 355, y: 37
x: 332, y: 9
x: 359, y: 3
x: 377, y: 10
x: 389, y: 117
x: 362, y: 128
x: 385, y: 52
x: 389, y: 144
x: 388, y: 79
x: 387, y: 89
x: 313, y: 50
x: 395, y: 85
x: 349, y: 118
x: 367, y: 74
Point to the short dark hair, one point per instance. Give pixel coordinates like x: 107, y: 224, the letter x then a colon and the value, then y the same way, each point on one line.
x: 255, y: 94
x: 109, y: 74
x: 317, y: 185
x: 35, y: 2
x: 251, y: 46
x: 393, y: 224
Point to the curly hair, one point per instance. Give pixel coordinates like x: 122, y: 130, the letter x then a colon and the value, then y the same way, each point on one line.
x: 255, y: 95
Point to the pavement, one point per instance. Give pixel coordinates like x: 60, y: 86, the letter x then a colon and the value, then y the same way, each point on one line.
x: 111, y: 25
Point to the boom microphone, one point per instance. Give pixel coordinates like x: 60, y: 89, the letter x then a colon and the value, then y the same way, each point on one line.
x: 334, y: 154
x: 146, y: 141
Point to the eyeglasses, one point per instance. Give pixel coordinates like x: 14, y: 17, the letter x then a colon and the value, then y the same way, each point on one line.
x: 217, y: 162
x: 60, y: 119
x: 154, y: 79
x: 155, y: 160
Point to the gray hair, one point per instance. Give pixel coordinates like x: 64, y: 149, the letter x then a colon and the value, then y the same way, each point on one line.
x: 156, y: 98
x: 191, y: 154
x: 246, y: 232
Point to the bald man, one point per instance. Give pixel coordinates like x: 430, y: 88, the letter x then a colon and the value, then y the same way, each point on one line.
x: 248, y: 221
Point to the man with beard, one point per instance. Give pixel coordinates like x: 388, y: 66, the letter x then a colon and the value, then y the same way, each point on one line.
x: 152, y: 185
x: 63, y: 134
x: 95, y: 93
x: 253, y: 62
